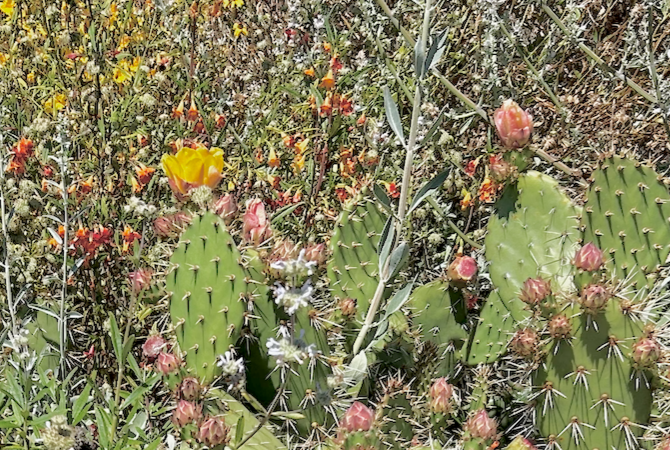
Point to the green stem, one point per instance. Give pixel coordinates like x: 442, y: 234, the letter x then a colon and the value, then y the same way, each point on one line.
x: 620, y: 75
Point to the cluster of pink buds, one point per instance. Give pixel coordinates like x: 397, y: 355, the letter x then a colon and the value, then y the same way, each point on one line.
x: 153, y: 346
x: 480, y: 425
x: 594, y: 298
x: 189, y: 389
x: 186, y: 412
x: 140, y: 280
x: 255, y: 224
x: 213, y: 432
x: 560, y: 327
x: 534, y: 290
x: 646, y: 352
x: 226, y: 207
x: 171, y: 225
x: 441, y: 394
x: 166, y: 363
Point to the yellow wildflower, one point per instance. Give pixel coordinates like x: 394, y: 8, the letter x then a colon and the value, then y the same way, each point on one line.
x: 273, y: 160
x: 328, y: 81
x: 55, y: 103
x: 30, y: 78
x: 299, y: 163
x: 301, y: 146
x: 7, y: 7
x: 191, y: 168
x: 466, y: 202
x: 239, y: 29
x: 120, y: 75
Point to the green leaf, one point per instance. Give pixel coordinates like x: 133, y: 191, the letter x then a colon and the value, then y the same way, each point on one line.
x: 419, y: 59
x: 436, y: 50
x: 381, y: 196
x: 392, y: 115
x: 428, y: 189
x: 399, y: 299
x: 104, y: 426
x: 385, y: 242
x: 80, y: 407
x: 139, y: 391
x: 399, y: 258
x: 239, y: 431
x: 285, y: 211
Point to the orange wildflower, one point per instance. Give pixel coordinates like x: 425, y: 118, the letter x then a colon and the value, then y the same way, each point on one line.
x: 192, y: 114
x: 393, y: 190
x: 466, y: 202
x: 327, y: 47
x: 487, y: 190
x: 273, y: 160
x: 301, y: 146
x: 259, y: 156
x: 471, y: 167
x: 144, y: 173
x: 326, y: 107
x: 129, y: 236
x: 361, y: 120
x: 86, y: 187
x: 335, y: 63
x: 310, y: 72
x: 288, y: 140
x: 328, y: 81
x: 346, y: 106
x: 178, y: 111
x: 220, y: 120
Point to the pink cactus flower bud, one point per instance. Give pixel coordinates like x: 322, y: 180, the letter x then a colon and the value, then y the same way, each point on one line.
x: 255, y: 227
x: 166, y: 363
x: 140, y: 279
x: 589, y: 258
x: 462, y: 269
x: 316, y: 253
x: 441, y: 393
x: 357, y: 418
x: 348, y: 306
x: 646, y: 352
x: 524, y: 343
x: 213, y: 432
x: 594, y: 297
x: 560, y: 327
x: 189, y: 389
x: 500, y: 169
x: 153, y: 346
x: 185, y: 413
x: 480, y: 425
x: 521, y: 443
x: 534, y: 290
x: 226, y: 207
x: 171, y: 225
x: 514, y: 125
x: 665, y: 444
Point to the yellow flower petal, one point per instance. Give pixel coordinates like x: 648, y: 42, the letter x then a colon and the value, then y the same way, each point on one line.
x: 7, y: 7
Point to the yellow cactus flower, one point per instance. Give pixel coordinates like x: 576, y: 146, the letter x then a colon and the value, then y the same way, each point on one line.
x: 192, y: 168
x: 239, y: 29
x: 7, y: 7
x: 55, y: 103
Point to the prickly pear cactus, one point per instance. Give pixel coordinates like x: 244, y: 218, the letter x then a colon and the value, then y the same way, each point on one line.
x: 532, y: 234
x: 264, y: 439
x: 209, y: 287
x: 627, y: 215
x: 439, y: 316
x: 353, y: 270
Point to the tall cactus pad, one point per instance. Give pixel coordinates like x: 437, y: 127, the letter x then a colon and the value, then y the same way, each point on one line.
x: 354, y: 268
x: 208, y: 286
x: 263, y: 439
x: 439, y: 315
x: 627, y: 215
x: 533, y: 234
x: 602, y: 399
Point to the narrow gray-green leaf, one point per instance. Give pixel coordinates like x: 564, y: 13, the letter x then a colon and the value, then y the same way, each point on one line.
x: 427, y: 189
x: 392, y: 115
x: 239, y: 430
x: 78, y: 411
x: 117, y: 339
x: 436, y: 50
x: 399, y: 299
x: 398, y: 260
x: 385, y: 242
x: 419, y: 59
x: 436, y: 126
x: 382, y: 197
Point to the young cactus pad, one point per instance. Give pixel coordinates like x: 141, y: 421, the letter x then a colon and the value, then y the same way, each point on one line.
x: 532, y: 234
x: 627, y: 215
x: 208, y: 284
x: 354, y: 268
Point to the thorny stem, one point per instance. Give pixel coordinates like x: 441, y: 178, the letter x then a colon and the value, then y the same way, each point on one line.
x: 620, y: 75
x: 404, y: 195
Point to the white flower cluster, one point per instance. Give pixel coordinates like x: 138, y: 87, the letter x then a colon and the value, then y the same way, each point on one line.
x: 139, y: 207
x: 232, y: 370
x: 287, y: 350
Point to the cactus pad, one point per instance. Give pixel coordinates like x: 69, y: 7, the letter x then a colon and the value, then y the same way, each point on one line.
x: 208, y: 285
x: 533, y: 234
x: 627, y: 216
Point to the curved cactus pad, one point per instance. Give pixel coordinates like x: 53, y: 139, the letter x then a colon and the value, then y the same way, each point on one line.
x: 208, y: 286
x: 589, y: 394
x: 439, y: 313
x: 353, y: 270
x: 627, y: 216
x: 533, y: 234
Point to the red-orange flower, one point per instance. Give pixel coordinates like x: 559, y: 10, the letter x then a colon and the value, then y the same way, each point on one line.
x: 129, y: 236
x: 487, y: 190
x: 328, y: 81
x: 20, y: 154
x: 144, y: 173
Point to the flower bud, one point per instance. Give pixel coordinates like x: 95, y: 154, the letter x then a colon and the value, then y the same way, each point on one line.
x: 185, y: 413
x: 462, y: 269
x: 255, y: 225
x: 594, y: 297
x: 171, y: 225
x: 514, y: 125
x: 357, y: 418
x: 480, y: 425
x: 213, y: 432
x: 524, y: 343
x: 348, y: 306
x: 521, y: 443
x: 226, y: 207
x: 589, y: 258
x: 189, y: 389
x: 153, y: 346
x: 140, y: 279
x: 559, y: 326
x: 316, y: 253
x: 500, y: 169
x: 440, y: 394
x: 167, y: 363
x: 646, y: 352
x: 534, y: 290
